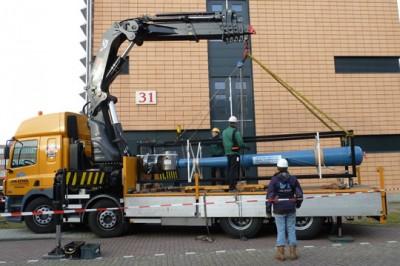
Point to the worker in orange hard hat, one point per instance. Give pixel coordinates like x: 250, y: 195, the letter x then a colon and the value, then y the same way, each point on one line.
x: 216, y: 150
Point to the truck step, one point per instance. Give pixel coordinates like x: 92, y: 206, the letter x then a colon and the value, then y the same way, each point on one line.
x: 77, y: 196
x: 72, y: 220
x: 145, y: 221
x: 74, y: 206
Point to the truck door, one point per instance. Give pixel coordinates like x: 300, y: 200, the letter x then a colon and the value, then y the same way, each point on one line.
x: 23, y: 167
x: 49, y: 160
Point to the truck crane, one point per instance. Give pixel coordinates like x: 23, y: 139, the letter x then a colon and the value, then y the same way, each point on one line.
x: 109, y: 144
x: 96, y: 141
x: 91, y: 155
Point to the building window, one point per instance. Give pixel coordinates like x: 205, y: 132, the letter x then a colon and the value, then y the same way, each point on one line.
x: 216, y: 8
x: 367, y: 64
x: 25, y: 153
x: 378, y: 143
x: 219, y: 85
x: 240, y: 85
x: 237, y: 8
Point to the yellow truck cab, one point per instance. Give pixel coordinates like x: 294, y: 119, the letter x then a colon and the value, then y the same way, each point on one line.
x: 40, y: 147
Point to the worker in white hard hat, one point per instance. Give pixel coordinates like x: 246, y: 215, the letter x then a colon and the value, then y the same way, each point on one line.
x: 216, y: 150
x: 285, y: 195
x: 233, y: 144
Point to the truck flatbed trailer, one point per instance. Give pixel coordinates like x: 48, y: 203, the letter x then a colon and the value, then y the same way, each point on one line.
x: 243, y: 212
x: 355, y: 201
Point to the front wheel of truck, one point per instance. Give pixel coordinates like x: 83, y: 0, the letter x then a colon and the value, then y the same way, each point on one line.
x: 43, y: 223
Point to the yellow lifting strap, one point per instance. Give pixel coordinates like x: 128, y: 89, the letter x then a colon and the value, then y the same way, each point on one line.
x: 301, y: 98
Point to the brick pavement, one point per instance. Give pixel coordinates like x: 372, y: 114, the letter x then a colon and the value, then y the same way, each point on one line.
x: 349, y: 254
x: 154, y: 245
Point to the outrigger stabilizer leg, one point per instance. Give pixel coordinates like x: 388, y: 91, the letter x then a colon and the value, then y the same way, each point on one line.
x: 58, y: 201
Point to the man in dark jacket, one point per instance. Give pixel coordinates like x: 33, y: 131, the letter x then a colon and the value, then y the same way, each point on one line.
x: 285, y: 195
x: 233, y: 144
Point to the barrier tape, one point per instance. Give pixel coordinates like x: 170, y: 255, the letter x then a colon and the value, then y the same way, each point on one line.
x: 82, y: 210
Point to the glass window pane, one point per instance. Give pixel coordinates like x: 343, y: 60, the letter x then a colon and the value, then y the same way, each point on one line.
x: 219, y: 85
x: 237, y: 7
x: 220, y: 98
x: 216, y: 8
x: 239, y: 84
x: 367, y: 64
x: 25, y: 153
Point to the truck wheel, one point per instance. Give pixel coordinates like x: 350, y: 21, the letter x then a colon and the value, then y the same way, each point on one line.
x: 40, y: 223
x: 239, y: 227
x: 106, y: 223
x: 308, y: 227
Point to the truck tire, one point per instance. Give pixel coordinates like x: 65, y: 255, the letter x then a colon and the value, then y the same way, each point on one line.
x: 241, y: 227
x: 40, y: 223
x: 106, y: 223
x: 308, y: 227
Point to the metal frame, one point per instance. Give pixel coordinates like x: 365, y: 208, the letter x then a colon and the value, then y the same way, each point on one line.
x: 350, y: 205
x: 346, y: 140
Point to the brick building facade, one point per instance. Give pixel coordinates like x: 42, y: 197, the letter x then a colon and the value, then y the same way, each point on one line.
x: 343, y: 55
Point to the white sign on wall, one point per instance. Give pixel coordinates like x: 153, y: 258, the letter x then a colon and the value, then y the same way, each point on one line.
x: 146, y: 97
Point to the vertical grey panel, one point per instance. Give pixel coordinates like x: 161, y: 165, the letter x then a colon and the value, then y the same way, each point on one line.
x: 223, y: 59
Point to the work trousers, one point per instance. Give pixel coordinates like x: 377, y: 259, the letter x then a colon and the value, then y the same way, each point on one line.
x: 233, y: 170
x: 217, y: 172
x: 286, y: 225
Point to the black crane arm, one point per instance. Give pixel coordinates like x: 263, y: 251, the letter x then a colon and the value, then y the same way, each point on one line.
x: 225, y: 26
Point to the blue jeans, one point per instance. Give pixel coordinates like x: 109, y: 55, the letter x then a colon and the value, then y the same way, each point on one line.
x: 286, y: 224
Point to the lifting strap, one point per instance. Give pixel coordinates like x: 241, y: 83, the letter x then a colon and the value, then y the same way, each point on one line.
x: 312, y: 108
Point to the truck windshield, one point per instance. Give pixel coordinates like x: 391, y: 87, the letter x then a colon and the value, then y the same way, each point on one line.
x: 25, y: 153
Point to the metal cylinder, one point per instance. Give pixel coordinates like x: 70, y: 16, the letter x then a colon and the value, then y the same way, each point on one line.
x: 331, y: 157
x: 169, y: 161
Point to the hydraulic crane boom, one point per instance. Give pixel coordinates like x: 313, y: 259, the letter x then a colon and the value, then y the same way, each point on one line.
x: 107, y: 136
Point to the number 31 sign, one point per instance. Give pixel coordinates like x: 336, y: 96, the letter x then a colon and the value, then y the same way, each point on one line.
x: 146, y: 97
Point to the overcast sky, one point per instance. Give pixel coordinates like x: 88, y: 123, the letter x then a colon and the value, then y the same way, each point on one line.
x: 39, y: 59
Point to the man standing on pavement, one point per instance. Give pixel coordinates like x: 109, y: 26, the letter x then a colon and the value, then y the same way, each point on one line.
x: 285, y: 195
x: 233, y: 143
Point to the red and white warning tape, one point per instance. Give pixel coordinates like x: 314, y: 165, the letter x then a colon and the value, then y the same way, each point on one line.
x: 81, y: 210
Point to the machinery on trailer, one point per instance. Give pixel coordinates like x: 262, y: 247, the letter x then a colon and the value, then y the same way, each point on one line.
x: 90, y: 154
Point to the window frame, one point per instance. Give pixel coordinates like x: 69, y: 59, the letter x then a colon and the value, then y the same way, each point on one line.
x: 18, y: 164
x: 367, y: 64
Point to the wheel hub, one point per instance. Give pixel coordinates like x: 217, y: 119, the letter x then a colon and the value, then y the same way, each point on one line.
x: 240, y: 223
x: 43, y: 219
x: 107, y: 219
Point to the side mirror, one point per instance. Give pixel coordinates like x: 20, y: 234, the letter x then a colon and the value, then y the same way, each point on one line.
x: 7, y: 148
x: 7, y: 152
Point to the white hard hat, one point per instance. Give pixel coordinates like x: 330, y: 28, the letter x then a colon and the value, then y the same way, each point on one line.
x: 282, y: 163
x: 232, y: 119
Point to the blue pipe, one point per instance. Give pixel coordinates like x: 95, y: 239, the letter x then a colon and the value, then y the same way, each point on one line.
x: 329, y: 157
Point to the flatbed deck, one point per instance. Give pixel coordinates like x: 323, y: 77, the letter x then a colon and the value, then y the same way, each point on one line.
x: 249, y: 190
x: 359, y: 200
